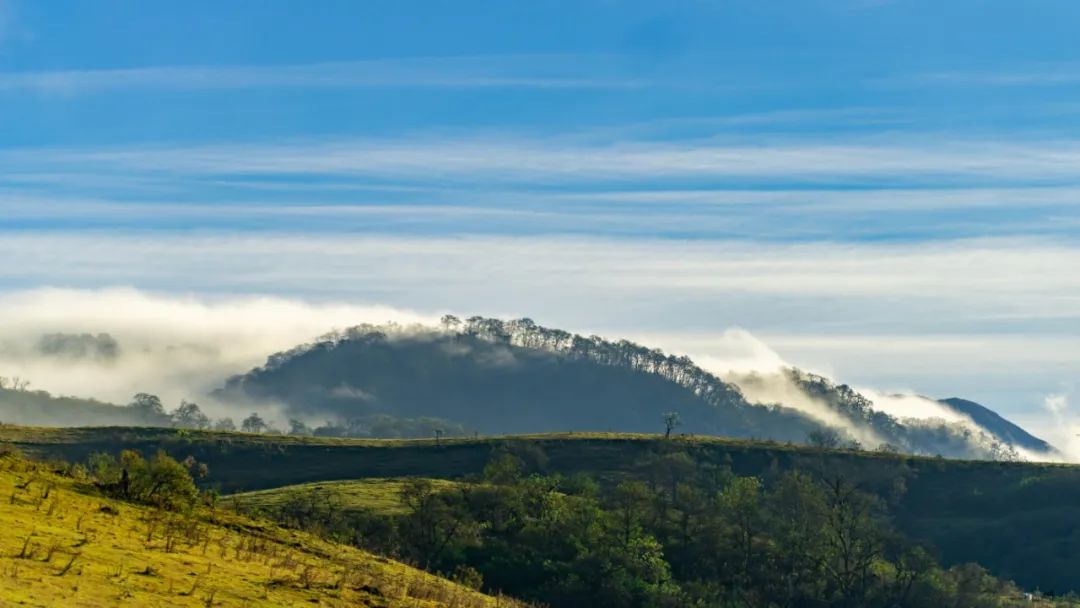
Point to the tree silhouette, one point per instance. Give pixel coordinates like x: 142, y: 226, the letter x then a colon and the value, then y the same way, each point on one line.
x: 671, y: 420
x: 254, y: 424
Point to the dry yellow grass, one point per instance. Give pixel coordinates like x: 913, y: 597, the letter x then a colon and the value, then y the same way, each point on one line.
x: 63, y: 545
x: 378, y: 496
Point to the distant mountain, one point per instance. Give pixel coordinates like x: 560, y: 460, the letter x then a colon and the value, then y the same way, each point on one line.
x: 996, y: 425
x: 493, y: 376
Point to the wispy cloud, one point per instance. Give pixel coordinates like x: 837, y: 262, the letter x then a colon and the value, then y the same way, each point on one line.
x: 999, y: 316
x: 555, y: 160
x: 799, y: 188
x: 984, y: 282
x: 836, y: 215
x: 511, y: 71
x: 1039, y: 74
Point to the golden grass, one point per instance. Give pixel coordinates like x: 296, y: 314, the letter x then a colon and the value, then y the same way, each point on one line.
x: 377, y: 496
x: 63, y: 545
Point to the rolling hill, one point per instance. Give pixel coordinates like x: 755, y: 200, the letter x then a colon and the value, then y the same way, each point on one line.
x: 1014, y: 518
x: 491, y: 376
x: 63, y: 544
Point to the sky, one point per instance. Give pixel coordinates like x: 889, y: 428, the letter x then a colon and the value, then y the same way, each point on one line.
x: 884, y: 191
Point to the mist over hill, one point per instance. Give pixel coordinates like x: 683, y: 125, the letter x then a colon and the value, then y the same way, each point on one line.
x: 491, y: 376
x: 996, y: 425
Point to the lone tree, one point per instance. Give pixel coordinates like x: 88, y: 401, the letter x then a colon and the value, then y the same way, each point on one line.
x: 671, y: 420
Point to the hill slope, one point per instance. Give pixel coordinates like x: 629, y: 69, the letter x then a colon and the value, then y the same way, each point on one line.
x: 998, y: 426
x: 1014, y: 518
x: 495, y: 376
x: 62, y: 545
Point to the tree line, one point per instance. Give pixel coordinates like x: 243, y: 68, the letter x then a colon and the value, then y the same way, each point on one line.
x: 676, y: 533
x: 188, y: 415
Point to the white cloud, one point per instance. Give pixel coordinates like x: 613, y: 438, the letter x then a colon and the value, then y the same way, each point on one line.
x: 737, y: 351
x: 175, y: 346
x: 1057, y: 405
x: 904, y: 404
x: 1060, y: 425
x: 994, y: 280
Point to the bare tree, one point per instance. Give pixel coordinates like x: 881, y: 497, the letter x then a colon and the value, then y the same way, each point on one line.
x: 671, y: 420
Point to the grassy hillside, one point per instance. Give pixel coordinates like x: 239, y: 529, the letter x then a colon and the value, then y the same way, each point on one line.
x: 63, y: 545
x: 377, y: 496
x: 1014, y: 518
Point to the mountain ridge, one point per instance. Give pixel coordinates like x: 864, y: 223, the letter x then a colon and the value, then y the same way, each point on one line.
x: 496, y: 376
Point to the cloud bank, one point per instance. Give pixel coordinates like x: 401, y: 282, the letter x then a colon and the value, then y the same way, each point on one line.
x: 176, y: 347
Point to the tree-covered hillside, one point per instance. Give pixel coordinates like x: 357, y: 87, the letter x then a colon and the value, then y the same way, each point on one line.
x: 492, y: 376
x: 676, y: 532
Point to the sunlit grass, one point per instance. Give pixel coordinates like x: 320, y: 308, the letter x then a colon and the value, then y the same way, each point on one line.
x: 376, y: 496
x: 63, y: 545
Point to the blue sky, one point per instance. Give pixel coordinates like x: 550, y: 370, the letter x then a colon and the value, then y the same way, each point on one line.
x: 885, y: 190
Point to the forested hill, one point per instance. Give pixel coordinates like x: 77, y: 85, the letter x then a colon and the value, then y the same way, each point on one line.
x: 492, y: 376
